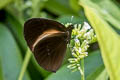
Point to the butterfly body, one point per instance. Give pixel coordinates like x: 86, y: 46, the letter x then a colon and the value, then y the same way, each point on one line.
x: 47, y: 39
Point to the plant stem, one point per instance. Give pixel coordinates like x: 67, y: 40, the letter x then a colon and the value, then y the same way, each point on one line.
x: 82, y: 67
x: 25, y: 64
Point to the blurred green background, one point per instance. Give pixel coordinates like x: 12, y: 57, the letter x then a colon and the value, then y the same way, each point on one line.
x: 102, y: 15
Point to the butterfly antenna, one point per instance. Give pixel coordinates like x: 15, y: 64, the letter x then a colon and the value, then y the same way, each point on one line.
x: 72, y: 18
x: 71, y: 22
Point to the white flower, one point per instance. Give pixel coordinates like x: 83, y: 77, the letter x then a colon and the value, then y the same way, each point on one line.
x: 82, y: 56
x: 79, y: 50
x: 95, y: 36
x: 86, y: 26
x: 87, y: 34
x: 91, y: 31
x: 86, y: 53
x: 71, y: 59
x: 85, y: 41
x: 86, y: 47
x: 76, y: 60
x: 78, y: 65
x: 75, y: 48
x: 79, y: 35
x: 71, y: 65
x: 79, y: 26
x: 75, y: 26
x: 68, y: 24
x: 82, y: 38
x: 74, y: 55
x: 76, y: 40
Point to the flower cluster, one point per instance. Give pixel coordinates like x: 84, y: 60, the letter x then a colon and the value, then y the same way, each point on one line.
x: 82, y: 36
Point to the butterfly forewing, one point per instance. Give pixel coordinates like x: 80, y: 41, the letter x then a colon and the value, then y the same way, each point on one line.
x: 35, y: 27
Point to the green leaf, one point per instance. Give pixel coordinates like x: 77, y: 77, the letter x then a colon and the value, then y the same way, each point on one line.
x: 99, y: 74
x: 65, y: 74
x: 74, y: 5
x: 37, y: 6
x: 34, y: 67
x: 107, y: 10
x: 59, y: 7
x: 3, y: 3
x: 1, y: 75
x: 109, y: 42
x: 103, y: 75
x: 110, y: 12
x: 109, y: 6
x: 67, y: 19
x: 10, y: 55
x: 17, y: 30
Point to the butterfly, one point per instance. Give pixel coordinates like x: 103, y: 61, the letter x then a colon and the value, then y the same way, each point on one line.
x: 47, y: 39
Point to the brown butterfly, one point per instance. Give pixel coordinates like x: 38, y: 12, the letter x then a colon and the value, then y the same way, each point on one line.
x: 47, y: 39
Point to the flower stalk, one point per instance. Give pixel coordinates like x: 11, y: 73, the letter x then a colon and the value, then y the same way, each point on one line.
x: 82, y: 67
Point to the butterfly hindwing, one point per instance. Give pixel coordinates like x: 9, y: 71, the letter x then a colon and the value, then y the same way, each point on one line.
x: 50, y: 51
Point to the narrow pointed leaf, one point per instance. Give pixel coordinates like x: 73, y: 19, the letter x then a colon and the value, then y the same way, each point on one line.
x: 109, y: 42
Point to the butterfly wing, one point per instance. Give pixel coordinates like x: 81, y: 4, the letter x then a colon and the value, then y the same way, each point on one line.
x: 35, y: 27
x: 46, y: 39
x: 50, y: 50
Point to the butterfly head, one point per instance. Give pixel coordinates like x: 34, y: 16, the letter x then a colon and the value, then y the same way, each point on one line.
x: 69, y: 31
